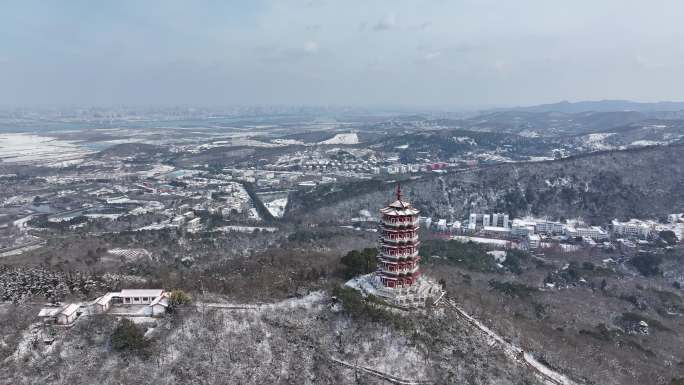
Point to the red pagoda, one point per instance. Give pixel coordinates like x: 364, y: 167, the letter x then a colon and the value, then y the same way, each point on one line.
x: 397, y: 279
x: 398, y: 259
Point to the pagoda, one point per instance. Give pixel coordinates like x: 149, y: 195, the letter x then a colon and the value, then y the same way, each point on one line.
x: 398, y: 259
x: 397, y: 279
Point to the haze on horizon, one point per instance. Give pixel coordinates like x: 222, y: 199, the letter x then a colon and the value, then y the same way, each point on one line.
x: 324, y: 52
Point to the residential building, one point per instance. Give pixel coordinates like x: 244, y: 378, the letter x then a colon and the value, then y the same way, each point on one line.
x: 522, y: 228
x: 65, y: 315
x: 594, y: 232
x: 68, y: 314
x: 532, y: 241
x: 139, y: 296
x: 633, y: 228
x: 478, y: 221
x: 548, y: 227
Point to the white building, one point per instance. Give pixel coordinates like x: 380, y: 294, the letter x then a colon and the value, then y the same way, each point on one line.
x: 674, y: 218
x: 154, y: 300
x: 501, y: 232
x: 478, y: 221
x: 103, y: 303
x: 68, y: 314
x: 49, y: 314
x: 139, y: 296
x: 548, y: 227
x: 500, y: 220
x: 158, y: 306
x: 594, y: 232
x: 633, y: 228
x: 65, y: 315
x: 195, y: 224
x: 521, y: 228
x: 532, y: 241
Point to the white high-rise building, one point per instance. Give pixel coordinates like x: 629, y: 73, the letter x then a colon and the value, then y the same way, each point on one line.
x: 479, y: 221
x: 633, y: 228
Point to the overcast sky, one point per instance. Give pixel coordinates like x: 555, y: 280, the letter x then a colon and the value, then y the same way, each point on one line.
x: 447, y: 53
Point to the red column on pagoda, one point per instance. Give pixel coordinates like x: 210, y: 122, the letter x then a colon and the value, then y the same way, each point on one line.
x: 398, y: 259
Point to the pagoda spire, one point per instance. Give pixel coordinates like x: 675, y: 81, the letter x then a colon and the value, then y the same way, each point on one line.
x: 399, y: 191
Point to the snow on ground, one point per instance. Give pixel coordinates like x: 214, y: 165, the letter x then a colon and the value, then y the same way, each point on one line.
x: 22, y: 223
x: 493, y: 158
x: 513, y: 351
x: 595, y: 141
x: 39, y: 150
x: 342, y: 139
x: 288, y: 142
x: 540, y: 158
x: 246, y: 229
x: 105, y: 216
x: 130, y: 254
x: 499, y: 255
x: 276, y: 207
x: 464, y: 139
x: 498, y: 242
x: 158, y: 226
x: 158, y: 169
x: 21, y: 250
x: 642, y: 143
x: 254, y: 214
x: 529, y: 134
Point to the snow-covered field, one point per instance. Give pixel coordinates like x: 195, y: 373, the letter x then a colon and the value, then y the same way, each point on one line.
x: 158, y: 169
x: 40, y: 150
x: 130, y: 254
x: 342, y: 139
x: 276, y: 207
x: 595, y: 141
x: 490, y: 241
x: 246, y: 229
x: 643, y: 143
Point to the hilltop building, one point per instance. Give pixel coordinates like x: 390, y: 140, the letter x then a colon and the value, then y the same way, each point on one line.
x: 633, y: 228
x: 478, y: 221
x: 397, y: 279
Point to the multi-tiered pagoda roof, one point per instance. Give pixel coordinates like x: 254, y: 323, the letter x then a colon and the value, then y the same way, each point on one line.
x: 398, y: 259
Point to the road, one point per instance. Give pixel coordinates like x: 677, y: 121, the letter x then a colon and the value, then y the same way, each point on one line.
x: 549, y: 375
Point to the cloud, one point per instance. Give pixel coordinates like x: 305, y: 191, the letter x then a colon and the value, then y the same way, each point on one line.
x: 500, y: 65
x: 648, y: 62
x: 277, y: 53
x: 431, y: 56
x: 311, y: 47
x: 386, y: 23
x: 424, y: 25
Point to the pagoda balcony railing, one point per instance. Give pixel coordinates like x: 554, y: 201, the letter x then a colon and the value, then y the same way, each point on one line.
x: 396, y: 272
x: 408, y: 254
x: 399, y: 239
x: 397, y: 223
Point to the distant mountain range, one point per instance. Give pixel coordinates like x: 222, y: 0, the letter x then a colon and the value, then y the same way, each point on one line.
x: 600, y: 106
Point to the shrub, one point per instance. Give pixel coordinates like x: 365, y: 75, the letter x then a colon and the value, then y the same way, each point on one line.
x: 128, y: 336
x: 359, y: 262
x: 368, y: 309
x: 178, y: 298
x: 514, y: 259
x: 668, y: 236
x: 647, y: 264
x: 470, y: 255
x: 512, y: 289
